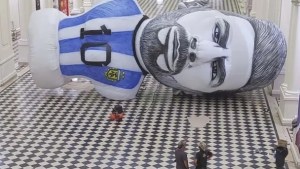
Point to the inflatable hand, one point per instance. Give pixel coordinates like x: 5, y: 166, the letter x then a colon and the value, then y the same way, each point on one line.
x: 96, y: 45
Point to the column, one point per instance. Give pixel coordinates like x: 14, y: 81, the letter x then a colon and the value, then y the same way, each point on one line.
x: 87, y: 4
x: 274, y: 11
x: 260, y: 9
x: 277, y: 83
x: 249, y: 7
x: 285, y: 18
x: 290, y: 89
x: 7, y: 64
x: 274, y: 15
x: 284, y: 24
x: 25, y: 10
x: 77, y: 7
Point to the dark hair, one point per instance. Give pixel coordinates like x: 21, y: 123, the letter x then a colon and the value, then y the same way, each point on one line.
x: 118, y: 108
x: 269, y: 54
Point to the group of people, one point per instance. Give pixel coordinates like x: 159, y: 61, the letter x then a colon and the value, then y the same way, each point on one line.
x: 200, y: 159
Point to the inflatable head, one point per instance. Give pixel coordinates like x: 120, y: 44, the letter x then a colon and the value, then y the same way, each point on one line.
x: 204, y: 50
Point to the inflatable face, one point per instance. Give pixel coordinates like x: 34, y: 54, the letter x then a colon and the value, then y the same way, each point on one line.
x: 207, y: 51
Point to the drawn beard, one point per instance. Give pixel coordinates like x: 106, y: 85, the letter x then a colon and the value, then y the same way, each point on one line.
x: 175, y: 49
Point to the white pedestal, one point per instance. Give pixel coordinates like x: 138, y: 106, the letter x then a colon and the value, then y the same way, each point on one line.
x: 288, y: 106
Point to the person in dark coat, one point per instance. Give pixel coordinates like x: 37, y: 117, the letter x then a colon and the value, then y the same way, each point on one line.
x: 181, y: 156
x: 281, y: 152
x: 202, y: 156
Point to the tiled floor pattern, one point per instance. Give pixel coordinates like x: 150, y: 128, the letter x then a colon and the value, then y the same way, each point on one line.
x: 69, y: 128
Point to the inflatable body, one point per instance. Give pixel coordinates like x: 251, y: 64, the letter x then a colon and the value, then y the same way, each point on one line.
x: 96, y: 45
x: 195, y: 50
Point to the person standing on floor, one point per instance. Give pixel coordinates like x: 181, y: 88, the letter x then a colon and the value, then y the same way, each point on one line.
x: 181, y: 156
x: 202, y: 156
x: 281, y: 152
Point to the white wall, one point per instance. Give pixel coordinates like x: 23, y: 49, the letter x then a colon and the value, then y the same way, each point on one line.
x: 7, y: 67
x: 14, y: 13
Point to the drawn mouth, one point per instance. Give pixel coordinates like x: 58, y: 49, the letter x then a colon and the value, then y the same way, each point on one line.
x: 172, y: 45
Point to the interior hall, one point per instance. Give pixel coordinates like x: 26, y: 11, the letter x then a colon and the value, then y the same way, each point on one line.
x: 70, y: 126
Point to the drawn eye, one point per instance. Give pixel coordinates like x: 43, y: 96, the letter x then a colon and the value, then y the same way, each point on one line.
x: 216, y: 36
x: 194, y: 43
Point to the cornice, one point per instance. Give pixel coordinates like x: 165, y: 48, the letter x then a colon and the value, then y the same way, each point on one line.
x: 296, y: 2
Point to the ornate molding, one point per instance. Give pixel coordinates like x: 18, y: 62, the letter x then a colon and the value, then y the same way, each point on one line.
x: 288, y: 94
x: 296, y: 2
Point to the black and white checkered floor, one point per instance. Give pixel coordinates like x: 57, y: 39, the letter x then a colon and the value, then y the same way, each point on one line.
x: 69, y: 128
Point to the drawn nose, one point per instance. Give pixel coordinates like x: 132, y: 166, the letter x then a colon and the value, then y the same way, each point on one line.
x: 207, y: 51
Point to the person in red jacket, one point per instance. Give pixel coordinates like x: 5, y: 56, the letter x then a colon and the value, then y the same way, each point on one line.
x: 117, y: 113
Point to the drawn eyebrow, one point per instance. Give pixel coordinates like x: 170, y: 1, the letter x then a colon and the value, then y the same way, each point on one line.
x: 224, y: 34
x: 221, y: 64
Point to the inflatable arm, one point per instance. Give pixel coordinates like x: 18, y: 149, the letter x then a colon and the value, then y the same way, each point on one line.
x: 44, y: 48
x: 96, y: 45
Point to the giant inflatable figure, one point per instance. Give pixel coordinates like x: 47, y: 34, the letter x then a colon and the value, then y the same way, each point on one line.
x: 196, y: 50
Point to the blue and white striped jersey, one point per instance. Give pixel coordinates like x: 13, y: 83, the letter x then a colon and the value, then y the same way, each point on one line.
x: 99, y: 45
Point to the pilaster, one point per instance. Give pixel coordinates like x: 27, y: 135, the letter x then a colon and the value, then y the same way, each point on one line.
x: 277, y: 83
x: 7, y: 64
x: 285, y: 18
x: 77, y: 7
x: 26, y: 8
x: 288, y: 106
x: 290, y: 89
x: 282, y: 18
x: 87, y: 4
x: 274, y: 11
